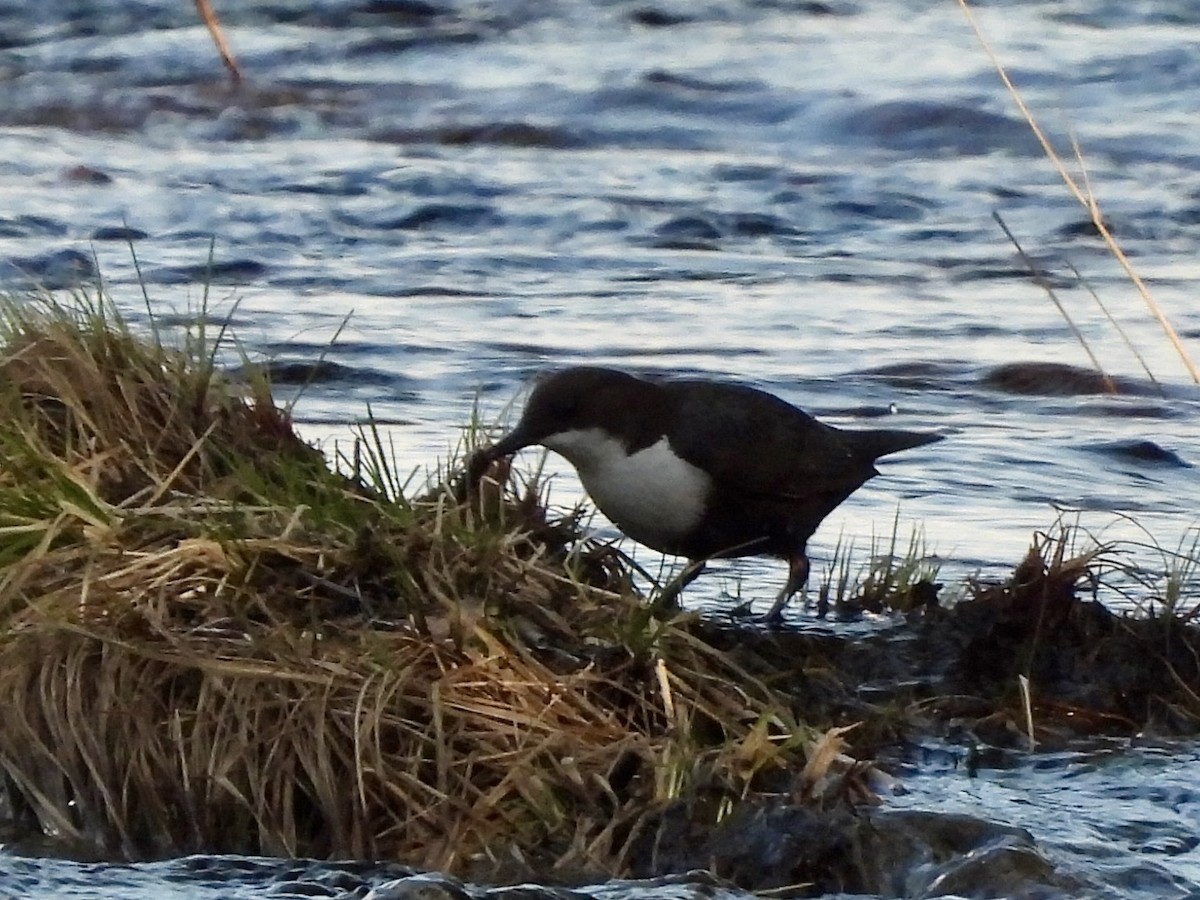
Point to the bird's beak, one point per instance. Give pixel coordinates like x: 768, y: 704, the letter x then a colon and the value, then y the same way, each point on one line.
x: 482, y: 459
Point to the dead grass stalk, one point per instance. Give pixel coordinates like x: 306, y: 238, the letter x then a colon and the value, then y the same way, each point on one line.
x: 1083, y: 193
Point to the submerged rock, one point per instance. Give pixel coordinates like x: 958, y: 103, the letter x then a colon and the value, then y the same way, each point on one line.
x: 800, y: 851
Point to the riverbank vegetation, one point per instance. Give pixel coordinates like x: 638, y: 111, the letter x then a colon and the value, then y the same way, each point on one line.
x: 215, y: 639
x: 212, y: 640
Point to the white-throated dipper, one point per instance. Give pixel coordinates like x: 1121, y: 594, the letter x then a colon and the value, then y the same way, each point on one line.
x: 695, y: 468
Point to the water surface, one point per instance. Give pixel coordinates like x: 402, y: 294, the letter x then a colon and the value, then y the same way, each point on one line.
x: 793, y: 195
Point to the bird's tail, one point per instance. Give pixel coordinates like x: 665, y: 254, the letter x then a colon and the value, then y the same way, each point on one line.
x: 881, y: 442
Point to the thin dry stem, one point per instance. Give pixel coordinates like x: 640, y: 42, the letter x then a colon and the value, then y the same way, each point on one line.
x: 214, y: 29
x: 1045, y: 285
x: 1085, y: 197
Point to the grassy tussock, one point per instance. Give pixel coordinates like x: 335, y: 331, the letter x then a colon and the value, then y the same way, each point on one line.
x: 209, y: 640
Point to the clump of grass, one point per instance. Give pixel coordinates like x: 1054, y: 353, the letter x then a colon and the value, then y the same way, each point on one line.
x: 211, y: 640
x: 1083, y: 667
x: 1182, y: 578
x: 889, y: 580
x: 1170, y: 590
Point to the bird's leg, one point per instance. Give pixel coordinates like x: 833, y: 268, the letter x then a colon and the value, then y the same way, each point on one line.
x: 668, y: 598
x: 797, y: 575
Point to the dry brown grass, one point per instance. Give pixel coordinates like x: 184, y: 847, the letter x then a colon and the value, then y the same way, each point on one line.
x: 211, y: 641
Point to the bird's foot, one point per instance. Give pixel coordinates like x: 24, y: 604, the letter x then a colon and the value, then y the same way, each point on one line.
x: 774, y: 615
x: 667, y: 601
x: 668, y: 598
x: 745, y: 611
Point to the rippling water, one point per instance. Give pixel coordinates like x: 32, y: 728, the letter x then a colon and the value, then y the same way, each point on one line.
x: 1123, y: 818
x: 793, y: 194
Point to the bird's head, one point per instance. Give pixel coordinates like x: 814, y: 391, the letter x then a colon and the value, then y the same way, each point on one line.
x: 564, y: 406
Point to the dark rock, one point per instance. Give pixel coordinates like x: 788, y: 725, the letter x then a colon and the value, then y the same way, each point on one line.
x: 420, y: 887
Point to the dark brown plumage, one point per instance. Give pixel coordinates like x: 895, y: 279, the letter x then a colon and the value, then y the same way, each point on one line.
x: 700, y: 469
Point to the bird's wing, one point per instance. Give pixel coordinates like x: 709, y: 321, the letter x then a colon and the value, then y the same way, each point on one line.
x: 755, y: 443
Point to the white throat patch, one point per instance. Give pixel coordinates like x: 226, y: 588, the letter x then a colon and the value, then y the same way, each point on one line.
x: 652, y: 495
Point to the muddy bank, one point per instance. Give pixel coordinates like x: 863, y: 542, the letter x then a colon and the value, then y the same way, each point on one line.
x: 1090, y: 670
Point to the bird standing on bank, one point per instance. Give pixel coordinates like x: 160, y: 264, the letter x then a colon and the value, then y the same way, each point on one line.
x: 696, y: 468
